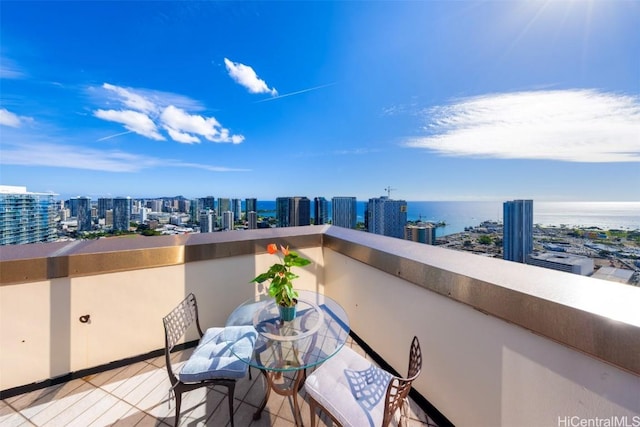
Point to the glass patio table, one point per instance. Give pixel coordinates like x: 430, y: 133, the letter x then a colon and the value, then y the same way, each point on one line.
x: 319, y: 329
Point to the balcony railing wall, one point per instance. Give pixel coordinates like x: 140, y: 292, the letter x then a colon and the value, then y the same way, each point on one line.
x: 110, y: 305
x: 503, y: 343
x: 478, y: 369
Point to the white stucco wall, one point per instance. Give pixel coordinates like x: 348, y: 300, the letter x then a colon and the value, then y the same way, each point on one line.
x: 42, y: 337
x: 477, y: 370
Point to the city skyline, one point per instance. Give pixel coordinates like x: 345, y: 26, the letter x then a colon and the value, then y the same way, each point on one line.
x: 438, y: 100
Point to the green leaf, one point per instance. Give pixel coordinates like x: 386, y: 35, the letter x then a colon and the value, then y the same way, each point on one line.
x: 300, y: 262
x: 261, y: 278
x: 281, y: 276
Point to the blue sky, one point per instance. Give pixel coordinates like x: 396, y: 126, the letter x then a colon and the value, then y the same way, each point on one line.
x: 441, y: 100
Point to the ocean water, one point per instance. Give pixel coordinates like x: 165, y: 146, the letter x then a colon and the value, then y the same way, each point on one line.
x: 458, y: 215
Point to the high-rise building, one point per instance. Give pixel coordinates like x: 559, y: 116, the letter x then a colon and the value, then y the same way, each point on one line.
x: 224, y: 204
x: 208, y: 202
x: 171, y: 205
x: 184, y: 205
x: 143, y: 214
x: 252, y: 220
x: 65, y: 214
x: 387, y: 217
x: 73, y: 206
x: 83, y: 213
x: 517, y: 239
x: 26, y: 217
x: 104, y: 204
x: 282, y: 211
x: 423, y: 233
x: 227, y: 220
x: 108, y: 218
x: 344, y: 212
x: 250, y: 205
x: 122, y: 207
x: 301, y: 212
x: 207, y: 221
x: 194, y: 209
x: 135, y: 207
x: 236, y: 208
x: 293, y: 211
x: 320, y: 211
x: 155, y: 205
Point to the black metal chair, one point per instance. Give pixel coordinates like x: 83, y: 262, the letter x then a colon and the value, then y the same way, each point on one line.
x: 212, y: 363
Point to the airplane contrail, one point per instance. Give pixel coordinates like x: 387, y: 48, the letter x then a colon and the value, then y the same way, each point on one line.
x: 113, y: 136
x: 294, y: 93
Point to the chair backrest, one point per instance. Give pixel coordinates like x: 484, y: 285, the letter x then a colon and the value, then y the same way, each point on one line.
x: 415, y: 359
x: 399, y: 388
x: 176, y: 324
x: 179, y: 319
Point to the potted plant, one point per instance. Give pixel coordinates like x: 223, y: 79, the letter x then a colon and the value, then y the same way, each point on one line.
x: 281, y: 276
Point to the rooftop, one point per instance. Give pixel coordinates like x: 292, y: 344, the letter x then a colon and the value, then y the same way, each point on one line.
x: 503, y: 343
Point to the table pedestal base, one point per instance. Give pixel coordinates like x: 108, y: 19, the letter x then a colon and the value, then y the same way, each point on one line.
x: 270, y: 376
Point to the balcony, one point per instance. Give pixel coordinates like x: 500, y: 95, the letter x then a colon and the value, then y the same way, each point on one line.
x: 137, y: 394
x: 503, y: 343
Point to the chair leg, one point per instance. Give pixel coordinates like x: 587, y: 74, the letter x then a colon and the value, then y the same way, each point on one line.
x: 230, y: 391
x: 178, y: 403
x: 312, y: 411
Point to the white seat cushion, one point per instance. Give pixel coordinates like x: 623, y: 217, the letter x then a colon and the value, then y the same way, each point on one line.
x: 213, y: 358
x: 350, y: 388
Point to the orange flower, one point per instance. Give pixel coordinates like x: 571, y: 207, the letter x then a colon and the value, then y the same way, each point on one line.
x: 285, y: 251
x: 272, y: 248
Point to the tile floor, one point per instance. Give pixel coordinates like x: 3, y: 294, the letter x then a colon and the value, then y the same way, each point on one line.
x: 137, y: 395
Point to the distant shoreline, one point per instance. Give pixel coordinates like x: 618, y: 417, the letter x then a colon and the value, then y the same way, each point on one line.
x: 457, y: 215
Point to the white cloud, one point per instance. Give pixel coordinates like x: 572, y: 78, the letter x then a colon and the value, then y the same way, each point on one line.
x: 184, y: 127
x: 132, y: 120
x: 178, y: 136
x: 207, y: 167
x: 565, y: 125
x: 146, y: 112
x: 9, y: 69
x: 132, y: 100
x: 51, y: 154
x: 237, y: 139
x: 7, y: 118
x: 141, y: 99
x: 68, y: 156
x: 245, y: 76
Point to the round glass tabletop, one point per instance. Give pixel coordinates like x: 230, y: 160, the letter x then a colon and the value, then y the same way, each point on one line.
x: 319, y: 329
